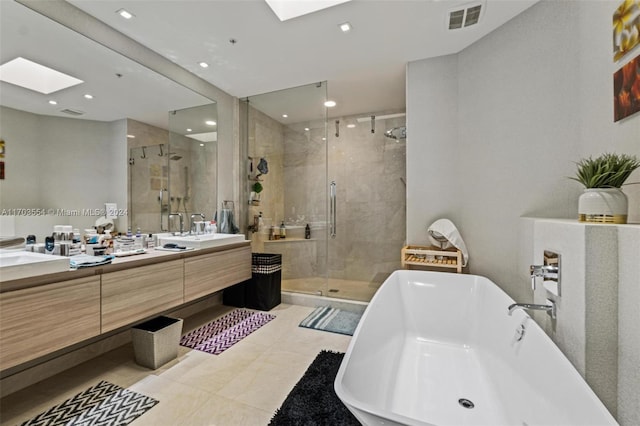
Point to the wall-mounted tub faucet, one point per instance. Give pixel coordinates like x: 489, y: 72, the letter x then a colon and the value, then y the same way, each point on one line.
x: 549, y: 271
x: 550, y: 307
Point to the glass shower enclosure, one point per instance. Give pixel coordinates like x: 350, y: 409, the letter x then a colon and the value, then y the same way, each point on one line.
x: 334, y: 188
x: 173, y: 171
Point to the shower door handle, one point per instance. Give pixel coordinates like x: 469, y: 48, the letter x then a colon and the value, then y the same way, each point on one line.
x: 161, y: 197
x: 333, y: 208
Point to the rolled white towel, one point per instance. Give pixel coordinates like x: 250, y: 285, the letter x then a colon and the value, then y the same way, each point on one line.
x: 446, y: 229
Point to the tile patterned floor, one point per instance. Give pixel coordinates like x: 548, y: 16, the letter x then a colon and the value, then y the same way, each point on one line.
x: 242, y: 386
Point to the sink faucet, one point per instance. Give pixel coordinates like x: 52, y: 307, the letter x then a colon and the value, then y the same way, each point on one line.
x: 191, y: 227
x: 550, y: 307
x: 181, y: 221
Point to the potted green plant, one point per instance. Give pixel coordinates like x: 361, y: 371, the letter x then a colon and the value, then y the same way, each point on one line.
x: 602, y: 177
x: 256, y: 189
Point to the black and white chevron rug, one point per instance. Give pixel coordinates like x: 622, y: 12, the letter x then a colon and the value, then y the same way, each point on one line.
x: 103, y: 404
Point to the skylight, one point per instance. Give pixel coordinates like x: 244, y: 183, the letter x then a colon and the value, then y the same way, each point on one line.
x: 33, y: 76
x: 287, y: 9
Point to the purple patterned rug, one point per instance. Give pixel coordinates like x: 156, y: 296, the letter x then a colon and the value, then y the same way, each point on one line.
x: 219, y: 335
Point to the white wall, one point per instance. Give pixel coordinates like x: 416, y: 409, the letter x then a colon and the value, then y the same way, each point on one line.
x: 526, y: 101
x: 61, y: 163
x: 495, y: 130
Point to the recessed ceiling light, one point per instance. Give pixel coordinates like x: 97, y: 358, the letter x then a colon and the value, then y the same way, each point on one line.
x: 125, y: 14
x: 201, y: 144
x: 188, y: 130
x: 33, y: 76
x: 88, y: 96
x: 324, y: 139
x: 204, y: 64
x: 131, y: 136
x: 52, y: 102
x: 351, y: 126
x: 306, y: 129
x: 284, y: 116
x: 330, y: 104
x: 287, y: 9
x: 345, y: 27
x: 210, y: 123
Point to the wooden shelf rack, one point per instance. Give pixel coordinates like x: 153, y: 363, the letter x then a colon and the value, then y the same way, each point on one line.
x: 433, y: 257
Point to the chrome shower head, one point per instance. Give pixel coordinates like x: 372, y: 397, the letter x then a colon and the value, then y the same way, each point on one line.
x: 397, y: 133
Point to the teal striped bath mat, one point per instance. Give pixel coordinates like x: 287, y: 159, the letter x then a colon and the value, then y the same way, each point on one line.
x: 326, y: 318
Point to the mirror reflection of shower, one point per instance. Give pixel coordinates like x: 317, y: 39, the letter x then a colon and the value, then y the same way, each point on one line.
x: 148, y: 181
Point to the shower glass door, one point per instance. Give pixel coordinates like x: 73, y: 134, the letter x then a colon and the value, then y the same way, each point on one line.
x: 285, y: 185
x: 343, y: 176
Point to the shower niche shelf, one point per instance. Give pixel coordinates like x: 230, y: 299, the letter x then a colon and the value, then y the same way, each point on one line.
x: 432, y: 257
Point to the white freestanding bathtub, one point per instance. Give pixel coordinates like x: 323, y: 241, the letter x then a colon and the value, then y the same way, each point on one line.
x: 431, y: 344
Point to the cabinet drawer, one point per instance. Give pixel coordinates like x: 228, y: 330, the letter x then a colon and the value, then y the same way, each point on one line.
x: 207, y: 274
x: 40, y: 320
x: 133, y: 294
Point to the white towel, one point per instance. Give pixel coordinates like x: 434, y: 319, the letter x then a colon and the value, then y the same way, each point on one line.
x: 447, y: 229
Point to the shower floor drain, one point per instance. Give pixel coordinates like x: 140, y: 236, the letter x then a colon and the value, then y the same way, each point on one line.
x: 466, y: 403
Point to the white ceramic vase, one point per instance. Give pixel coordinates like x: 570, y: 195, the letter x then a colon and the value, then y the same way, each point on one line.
x: 603, y: 205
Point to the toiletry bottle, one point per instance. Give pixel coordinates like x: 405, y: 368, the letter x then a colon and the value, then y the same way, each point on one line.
x: 129, y: 233
x: 260, y: 223
x: 283, y: 231
x: 150, y: 243
x: 214, y: 227
x: 271, y: 232
x: 307, y: 232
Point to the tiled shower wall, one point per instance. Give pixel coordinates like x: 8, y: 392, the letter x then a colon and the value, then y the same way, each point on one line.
x: 369, y: 170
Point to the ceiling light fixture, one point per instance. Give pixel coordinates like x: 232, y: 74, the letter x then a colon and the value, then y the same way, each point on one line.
x: 330, y: 104
x: 125, y: 14
x: 210, y: 123
x: 33, y: 76
x: 88, y: 96
x: 204, y: 64
x: 306, y: 129
x: 131, y: 136
x: 345, y: 27
x: 189, y: 130
x: 351, y: 126
x: 52, y: 102
x: 285, y: 116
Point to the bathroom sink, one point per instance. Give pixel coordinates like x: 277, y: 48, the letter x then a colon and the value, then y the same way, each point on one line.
x: 202, y: 241
x: 22, y: 264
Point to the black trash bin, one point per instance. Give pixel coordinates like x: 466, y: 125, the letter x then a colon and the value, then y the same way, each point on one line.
x: 235, y: 295
x: 263, y: 292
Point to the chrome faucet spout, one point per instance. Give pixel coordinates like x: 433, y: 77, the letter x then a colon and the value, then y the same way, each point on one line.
x: 550, y: 307
x: 181, y: 221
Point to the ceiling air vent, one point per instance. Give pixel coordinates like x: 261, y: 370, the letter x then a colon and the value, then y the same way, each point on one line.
x: 72, y: 111
x: 464, y: 17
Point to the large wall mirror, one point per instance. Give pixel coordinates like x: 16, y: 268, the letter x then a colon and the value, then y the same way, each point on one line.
x: 68, y: 152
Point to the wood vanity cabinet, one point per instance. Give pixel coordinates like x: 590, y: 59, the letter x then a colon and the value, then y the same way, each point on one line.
x: 133, y: 294
x: 39, y: 320
x: 207, y: 274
